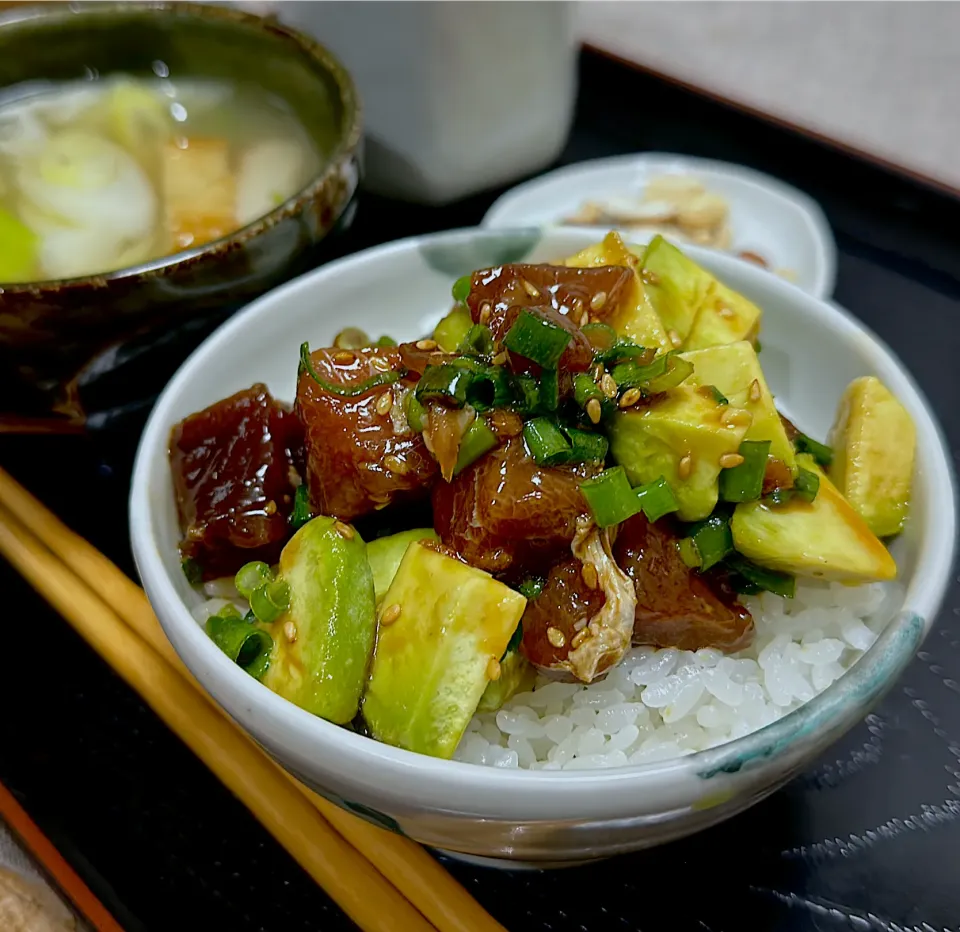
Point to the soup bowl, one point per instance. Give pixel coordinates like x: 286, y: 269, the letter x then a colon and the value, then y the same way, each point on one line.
x: 63, y: 344
x: 811, y: 350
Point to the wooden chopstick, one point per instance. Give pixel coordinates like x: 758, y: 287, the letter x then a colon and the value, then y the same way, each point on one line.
x: 414, y: 872
x: 47, y: 856
x: 350, y: 879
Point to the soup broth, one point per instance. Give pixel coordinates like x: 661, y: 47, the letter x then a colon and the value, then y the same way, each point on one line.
x: 98, y: 176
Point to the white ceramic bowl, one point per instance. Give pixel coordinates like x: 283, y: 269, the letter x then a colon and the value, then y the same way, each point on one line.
x: 811, y: 350
x: 767, y: 216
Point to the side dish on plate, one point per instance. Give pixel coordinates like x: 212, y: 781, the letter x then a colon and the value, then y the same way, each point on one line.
x: 568, y: 529
x: 99, y: 176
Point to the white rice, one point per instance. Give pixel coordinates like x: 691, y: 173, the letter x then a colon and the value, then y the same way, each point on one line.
x: 658, y: 704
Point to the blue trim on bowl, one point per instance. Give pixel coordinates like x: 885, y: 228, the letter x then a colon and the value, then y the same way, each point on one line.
x: 461, y: 254
x: 860, y: 686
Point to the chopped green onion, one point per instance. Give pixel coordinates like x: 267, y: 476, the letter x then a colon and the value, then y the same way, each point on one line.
x: 744, y: 483
x: 586, y: 446
x: 779, y: 496
x: 192, y: 570
x: 584, y: 388
x: 461, y: 288
x: 415, y: 412
x: 689, y: 552
x: 622, y: 349
x: 385, y: 341
x: 526, y: 393
x: 445, y: 381
x: 478, y: 341
x: 713, y: 540
x: 601, y: 337
x: 778, y: 583
x: 344, y: 391
x: 657, y: 499
x: 665, y: 372
x: 531, y: 587
x: 301, y: 512
x: 549, y: 390
x: 610, y: 497
x: 245, y: 645
x: 545, y: 442
x: 477, y: 440
x: 819, y: 451
x: 492, y: 387
x: 678, y: 370
x: 252, y: 576
x: 270, y: 600
x: 537, y: 339
x: 516, y: 637
x: 718, y: 395
x: 756, y: 346
x: 806, y: 485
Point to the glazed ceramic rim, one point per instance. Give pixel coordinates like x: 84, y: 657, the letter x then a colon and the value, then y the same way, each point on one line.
x: 445, y: 785
x: 815, y: 223
x: 321, y: 59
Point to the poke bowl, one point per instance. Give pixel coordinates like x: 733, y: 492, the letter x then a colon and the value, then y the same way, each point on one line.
x: 596, y: 620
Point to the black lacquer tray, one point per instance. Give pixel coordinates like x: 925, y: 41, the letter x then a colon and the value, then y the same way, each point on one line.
x: 867, y: 839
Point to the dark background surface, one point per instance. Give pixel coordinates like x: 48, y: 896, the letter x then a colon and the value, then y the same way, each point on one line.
x: 867, y: 839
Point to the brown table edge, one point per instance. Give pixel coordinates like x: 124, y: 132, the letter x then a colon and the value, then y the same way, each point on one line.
x: 846, y: 148
x: 66, y: 879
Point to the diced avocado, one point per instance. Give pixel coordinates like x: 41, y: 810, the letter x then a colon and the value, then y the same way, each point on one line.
x: 733, y: 369
x: 824, y: 538
x: 515, y: 676
x: 724, y: 317
x: 691, y: 302
x: 18, y: 250
x: 651, y: 442
x: 323, y: 642
x: 636, y: 318
x: 449, y: 333
x: 874, y: 443
x: 444, y: 626
x: 385, y: 554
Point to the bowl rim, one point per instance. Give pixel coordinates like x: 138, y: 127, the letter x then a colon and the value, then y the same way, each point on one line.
x: 456, y: 786
x: 318, y: 56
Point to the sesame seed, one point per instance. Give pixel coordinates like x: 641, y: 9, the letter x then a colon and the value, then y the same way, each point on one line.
x: 385, y: 402
x: 674, y: 337
x: 270, y: 508
x: 493, y: 669
x: 426, y: 344
x: 588, y: 573
x: 579, y: 638
x: 729, y: 460
x: 390, y: 614
x: 344, y: 530
x: 650, y: 278
x: 576, y: 305
x: 598, y: 300
x: 500, y: 359
x: 725, y: 312
x: 530, y: 288
x: 685, y: 466
x: 584, y: 319
x: 395, y: 465
x: 485, y: 310
x: 630, y: 397
x: 755, y: 390
x: 343, y: 357
x: 556, y: 637
x: 608, y: 386
x: 290, y: 631
x: 593, y: 410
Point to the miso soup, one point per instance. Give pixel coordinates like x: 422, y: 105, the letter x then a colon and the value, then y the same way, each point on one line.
x: 96, y: 176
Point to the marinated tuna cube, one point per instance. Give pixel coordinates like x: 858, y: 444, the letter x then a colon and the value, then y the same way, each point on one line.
x: 360, y: 452
x: 506, y: 514
x: 676, y: 606
x: 234, y: 480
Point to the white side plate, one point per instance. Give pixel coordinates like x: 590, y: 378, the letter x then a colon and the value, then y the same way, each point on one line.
x: 768, y: 217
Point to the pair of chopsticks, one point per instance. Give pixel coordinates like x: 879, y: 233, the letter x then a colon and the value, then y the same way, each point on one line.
x: 384, y: 882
